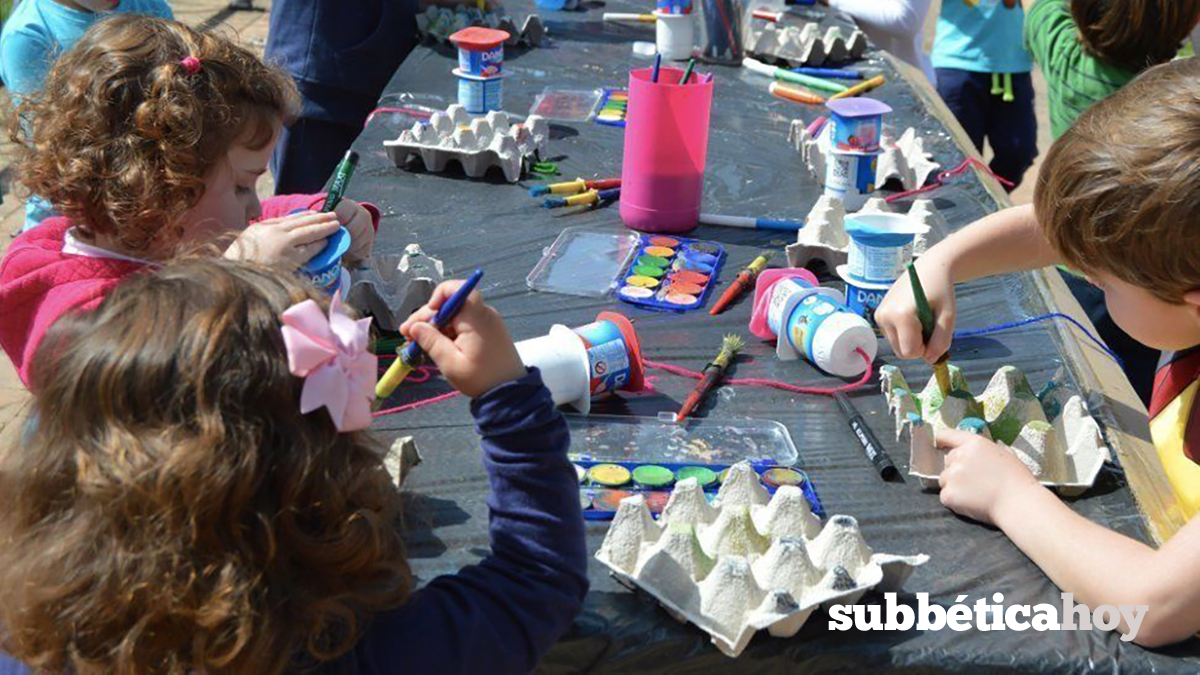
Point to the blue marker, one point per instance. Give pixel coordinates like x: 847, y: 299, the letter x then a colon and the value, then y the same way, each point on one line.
x: 412, y: 355
x: 751, y: 223
x: 834, y: 73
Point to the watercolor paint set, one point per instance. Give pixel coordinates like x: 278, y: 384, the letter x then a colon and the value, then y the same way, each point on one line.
x: 614, y: 104
x: 602, y: 485
x: 617, y: 456
x: 657, y: 272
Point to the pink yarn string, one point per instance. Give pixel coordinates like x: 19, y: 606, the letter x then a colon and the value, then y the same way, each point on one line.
x: 428, y: 371
x: 946, y: 175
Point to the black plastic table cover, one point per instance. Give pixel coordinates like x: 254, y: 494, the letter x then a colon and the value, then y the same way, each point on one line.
x: 752, y: 170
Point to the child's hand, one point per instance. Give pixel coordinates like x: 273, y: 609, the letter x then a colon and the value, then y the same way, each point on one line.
x: 897, y: 314
x: 362, y: 231
x: 979, y: 475
x: 474, y: 350
x: 291, y: 240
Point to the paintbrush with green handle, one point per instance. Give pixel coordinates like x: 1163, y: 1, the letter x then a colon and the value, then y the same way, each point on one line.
x: 941, y: 371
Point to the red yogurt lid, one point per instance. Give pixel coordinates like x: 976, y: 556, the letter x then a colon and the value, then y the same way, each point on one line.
x: 478, y: 38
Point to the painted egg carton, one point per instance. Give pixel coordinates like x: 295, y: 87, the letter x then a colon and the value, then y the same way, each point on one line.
x: 793, y: 45
x: 746, y: 562
x: 824, y: 237
x: 1051, y: 432
x: 476, y: 143
x: 439, y: 23
x: 903, y: 161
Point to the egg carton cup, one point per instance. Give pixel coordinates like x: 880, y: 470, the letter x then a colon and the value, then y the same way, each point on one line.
x: 746, y: 562
x: 437, y: 24
x: 1051, y: 432
x: 401, y: 458
x: 793, y: 45
x: 824, y: 237
x: 902, y: 161
x: 477, y: 143
x: 389, y: 290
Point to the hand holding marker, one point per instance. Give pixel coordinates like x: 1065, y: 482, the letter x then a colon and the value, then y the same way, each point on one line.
x: 410, y: 355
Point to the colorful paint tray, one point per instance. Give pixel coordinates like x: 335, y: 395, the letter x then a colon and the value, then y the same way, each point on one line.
x: 710, y: 444
x: 640, y: 269
x: 613, y: 105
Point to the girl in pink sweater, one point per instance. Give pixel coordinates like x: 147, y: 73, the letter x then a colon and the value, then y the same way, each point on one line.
x: 150, y: 137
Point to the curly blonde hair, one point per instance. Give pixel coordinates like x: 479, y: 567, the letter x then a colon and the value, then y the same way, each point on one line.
x: 122, y: 136
x: 174, y: 511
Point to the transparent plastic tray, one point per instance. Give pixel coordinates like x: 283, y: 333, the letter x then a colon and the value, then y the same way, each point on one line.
x: 566, y: 105
x: 655, y: 440
x: 584, y: 261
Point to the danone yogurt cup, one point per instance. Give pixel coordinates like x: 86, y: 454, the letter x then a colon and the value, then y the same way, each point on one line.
x: 480, y: 50
x: 863, y: 297
x: 480, y: 95
x: 850, y: 176
x: 325, y: 268
x: 881, y: 245
x: 856, y: 124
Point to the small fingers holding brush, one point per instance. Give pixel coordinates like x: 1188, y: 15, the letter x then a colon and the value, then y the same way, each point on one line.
x: 474, y: 350
x: 897, y: 315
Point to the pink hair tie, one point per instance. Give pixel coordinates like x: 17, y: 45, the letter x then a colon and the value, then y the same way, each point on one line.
x: 191, y: 65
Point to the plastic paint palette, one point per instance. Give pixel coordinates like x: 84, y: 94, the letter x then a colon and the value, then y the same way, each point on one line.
x: 604, y: 484
x: 613, y: 107
x: 671, y: 273
x: 657, y: 272
x: 566, y: 105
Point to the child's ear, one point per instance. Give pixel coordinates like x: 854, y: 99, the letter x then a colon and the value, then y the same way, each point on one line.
x: 1192, y: 300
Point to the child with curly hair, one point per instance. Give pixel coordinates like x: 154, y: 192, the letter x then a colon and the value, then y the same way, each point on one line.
x: 149, y: 138
x: 177, y: 511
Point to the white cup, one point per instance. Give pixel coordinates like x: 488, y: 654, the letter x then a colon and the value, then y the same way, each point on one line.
x: 674, y: 35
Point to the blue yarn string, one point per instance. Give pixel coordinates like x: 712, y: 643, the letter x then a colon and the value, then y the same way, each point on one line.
x: 1000, y: 327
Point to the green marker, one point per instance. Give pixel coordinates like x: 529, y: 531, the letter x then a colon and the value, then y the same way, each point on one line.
x: 809, y: 81
x: 687, y: 73
x: 341, y: 178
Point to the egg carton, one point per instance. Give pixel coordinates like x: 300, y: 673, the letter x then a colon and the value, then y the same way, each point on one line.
x: 746, y: 562
x: 475, y: 143
x: 902, y: 161
x: 1051, y: 432
x: 793, y: 45
x: 824, y: 237
x: 401, y: 458
x: 437, y: 24
x: 389, y: 290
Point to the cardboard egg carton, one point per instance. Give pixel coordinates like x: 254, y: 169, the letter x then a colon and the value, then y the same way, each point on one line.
x: 902, y: 161
x: 387, y: 289
x: 476, y: 143
x: 824, y: 237
x: 437, y: 24
x: 1051, y: 432
x: 793, y: 45
x: 746, y: 562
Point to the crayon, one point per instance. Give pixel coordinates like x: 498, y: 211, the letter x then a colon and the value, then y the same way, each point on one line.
x: 862, y: 87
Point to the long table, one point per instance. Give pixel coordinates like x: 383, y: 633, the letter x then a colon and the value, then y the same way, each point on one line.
x: 752, y: 170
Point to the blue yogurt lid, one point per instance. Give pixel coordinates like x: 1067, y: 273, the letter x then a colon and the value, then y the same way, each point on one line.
x: 335, y: 247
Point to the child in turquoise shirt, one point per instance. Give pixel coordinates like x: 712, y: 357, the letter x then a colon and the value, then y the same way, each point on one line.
x: 37, y: 33
x: 983, y: 75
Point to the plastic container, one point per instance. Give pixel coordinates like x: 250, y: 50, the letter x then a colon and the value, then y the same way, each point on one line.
x: 325, y: 268
x: 480, y: 50
x: 881, y: 245
x: 592, y: 360
x: 480, y: 95
x: 863, y: 297
x: 566, y: 105
x: 850, y: 176
x: 721, y: 31
x: 674, y: 35
x: 857, y: 124
x: 666, y: 150
x: 614, y: 107
x: 810, y: 320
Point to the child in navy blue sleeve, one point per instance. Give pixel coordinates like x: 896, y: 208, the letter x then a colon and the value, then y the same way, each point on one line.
x: 207, y: 498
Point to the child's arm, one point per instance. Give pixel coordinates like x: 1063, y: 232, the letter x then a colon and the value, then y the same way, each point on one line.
x: 984, y: 481
x: 500, y: 615
x: 1005, y: 241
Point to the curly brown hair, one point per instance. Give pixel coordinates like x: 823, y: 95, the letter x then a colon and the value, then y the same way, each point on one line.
x: 1134, y: 34
x: 174, y: 511
x: 122, y: 137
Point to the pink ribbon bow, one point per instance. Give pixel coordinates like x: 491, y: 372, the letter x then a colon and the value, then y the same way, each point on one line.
x: 331, y: 354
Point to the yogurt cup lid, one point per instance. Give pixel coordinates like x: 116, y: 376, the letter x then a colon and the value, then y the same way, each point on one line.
x: 335, y: 247
x: 859, y: 106
x: 478, y: 38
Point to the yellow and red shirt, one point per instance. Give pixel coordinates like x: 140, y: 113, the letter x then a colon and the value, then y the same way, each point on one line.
x: 1175, y: 425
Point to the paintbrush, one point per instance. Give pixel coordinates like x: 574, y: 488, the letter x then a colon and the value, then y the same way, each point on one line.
x: 589, y: 198
x: 411, y: 355
x: 743, y: 281
x: 941, y: 371
x: 713, y: 373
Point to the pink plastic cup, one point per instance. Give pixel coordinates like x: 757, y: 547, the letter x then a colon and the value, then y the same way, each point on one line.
x: 666, y: 147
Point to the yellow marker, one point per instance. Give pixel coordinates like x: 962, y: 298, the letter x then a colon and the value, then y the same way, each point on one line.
x: 861, y: 88
x: 393, y: 377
